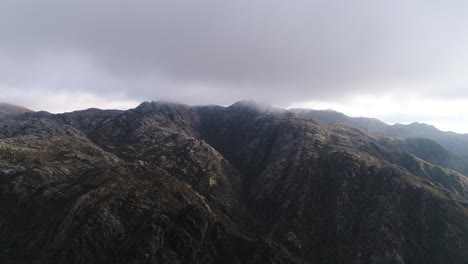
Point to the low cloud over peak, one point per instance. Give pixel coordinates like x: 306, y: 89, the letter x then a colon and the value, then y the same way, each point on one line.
x: 118, y: 53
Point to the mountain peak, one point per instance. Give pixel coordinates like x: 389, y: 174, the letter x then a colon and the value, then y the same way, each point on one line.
x: 256, y: 107
x: 418, y: 124
x: 9, y: 109
x: 158, y: 105
x: 172, y: 183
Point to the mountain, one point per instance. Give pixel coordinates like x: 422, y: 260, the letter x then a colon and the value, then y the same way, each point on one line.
x: 456, y: 143
x: 248, y: 183
x: 8, y: 109
x: 369, y: 125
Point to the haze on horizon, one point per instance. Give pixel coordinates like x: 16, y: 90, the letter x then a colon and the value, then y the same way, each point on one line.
x: 399, y: 61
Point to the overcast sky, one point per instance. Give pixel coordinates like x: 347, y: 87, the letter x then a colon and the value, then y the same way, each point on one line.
x: 398, y: 60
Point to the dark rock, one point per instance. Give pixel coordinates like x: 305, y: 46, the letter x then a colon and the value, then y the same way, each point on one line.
x: 170, y: 183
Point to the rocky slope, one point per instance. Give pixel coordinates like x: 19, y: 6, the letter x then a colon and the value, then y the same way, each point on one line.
x: 170, y: 183
x: 456, y: 143
x: 445, y: 149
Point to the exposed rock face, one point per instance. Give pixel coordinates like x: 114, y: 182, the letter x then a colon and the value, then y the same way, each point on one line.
x: 169, y: 183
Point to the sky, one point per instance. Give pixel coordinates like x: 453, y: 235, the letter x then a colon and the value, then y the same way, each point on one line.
x: 399, y: 61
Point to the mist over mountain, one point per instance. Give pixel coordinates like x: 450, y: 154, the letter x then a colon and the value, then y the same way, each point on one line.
x: 248, y: 183
x: 9, y: 109
x: 94, y: 170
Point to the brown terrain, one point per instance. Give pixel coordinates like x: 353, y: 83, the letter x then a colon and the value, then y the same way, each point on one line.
x: 248, y: 183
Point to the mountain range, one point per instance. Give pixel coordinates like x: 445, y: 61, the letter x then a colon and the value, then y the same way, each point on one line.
x: 454, y: 142
x: 248, y: 183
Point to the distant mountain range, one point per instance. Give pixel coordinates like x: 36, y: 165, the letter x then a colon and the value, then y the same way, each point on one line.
x: 248, y: 183
x: 454, y: 142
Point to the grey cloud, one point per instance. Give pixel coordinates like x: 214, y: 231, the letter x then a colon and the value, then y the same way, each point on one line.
x: 212, y: 51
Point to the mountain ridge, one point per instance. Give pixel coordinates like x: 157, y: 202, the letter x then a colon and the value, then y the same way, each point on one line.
x: 454, y: 142
x: 171, y: 183
x: 10, y: 109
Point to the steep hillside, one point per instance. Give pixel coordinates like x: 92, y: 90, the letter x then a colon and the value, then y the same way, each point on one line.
x: 170, y: 183
x: 66, y: 200
x: 453, y: 142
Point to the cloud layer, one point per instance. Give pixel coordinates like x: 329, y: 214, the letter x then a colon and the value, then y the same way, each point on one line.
x: 210, y: 51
